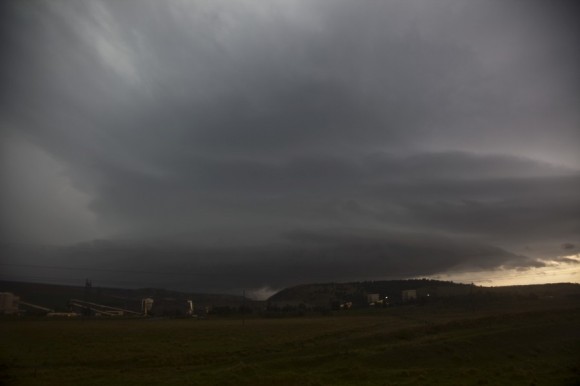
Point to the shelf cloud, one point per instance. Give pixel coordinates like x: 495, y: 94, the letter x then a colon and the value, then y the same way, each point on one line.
x: 291, y: 141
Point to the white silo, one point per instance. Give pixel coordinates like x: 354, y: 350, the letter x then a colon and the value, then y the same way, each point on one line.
x: 146, y: 306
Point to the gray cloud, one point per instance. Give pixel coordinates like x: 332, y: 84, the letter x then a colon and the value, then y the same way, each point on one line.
x: 226, y: 125
x: 303, y: 257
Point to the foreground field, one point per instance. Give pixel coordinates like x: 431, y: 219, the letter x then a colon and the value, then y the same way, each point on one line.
x: 534, y: 344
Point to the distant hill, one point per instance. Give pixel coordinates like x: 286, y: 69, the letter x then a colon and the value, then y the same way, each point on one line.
x: 356, y: 292
x: 330, y: 294
x: 539, y: 290
x: 57, y: 297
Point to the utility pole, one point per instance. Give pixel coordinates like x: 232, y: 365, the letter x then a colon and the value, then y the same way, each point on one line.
x: 244, y: 307
x: 88, y: 287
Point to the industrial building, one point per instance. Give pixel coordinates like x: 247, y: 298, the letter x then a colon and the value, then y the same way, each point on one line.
x: 8, y: 303
x: 372, y: 298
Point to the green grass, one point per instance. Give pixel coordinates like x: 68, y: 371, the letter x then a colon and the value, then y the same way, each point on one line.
x: 404, y: 346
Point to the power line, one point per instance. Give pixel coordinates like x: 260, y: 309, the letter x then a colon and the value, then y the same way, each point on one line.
x: 70, y: 281
x: 109, y: 270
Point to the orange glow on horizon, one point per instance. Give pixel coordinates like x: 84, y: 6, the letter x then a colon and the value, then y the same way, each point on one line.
x: 566, y: 269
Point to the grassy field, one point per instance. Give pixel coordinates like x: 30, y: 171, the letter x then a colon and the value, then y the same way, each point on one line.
x: 534, y: 343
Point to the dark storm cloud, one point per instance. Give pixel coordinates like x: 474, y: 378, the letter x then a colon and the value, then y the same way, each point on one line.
x: 231, y: 125
x: 305, y: 257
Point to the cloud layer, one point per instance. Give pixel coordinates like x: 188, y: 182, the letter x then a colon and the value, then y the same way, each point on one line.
x: 302, y: 136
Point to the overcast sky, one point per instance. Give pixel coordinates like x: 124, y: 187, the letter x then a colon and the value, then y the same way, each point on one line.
x: 283, y: 142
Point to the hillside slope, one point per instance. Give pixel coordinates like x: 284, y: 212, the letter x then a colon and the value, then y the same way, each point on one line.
x: 329, y: 294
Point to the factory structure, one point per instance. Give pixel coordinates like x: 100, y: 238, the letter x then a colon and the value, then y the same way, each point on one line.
x: 9, y: 303
x: 43, y: 299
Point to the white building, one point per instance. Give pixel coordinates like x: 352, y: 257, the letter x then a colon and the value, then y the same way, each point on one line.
x: 372, y: 298
x: 8, y: 303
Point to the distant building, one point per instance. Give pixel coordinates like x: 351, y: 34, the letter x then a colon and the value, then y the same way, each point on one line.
x: 8, y: 303
x: 409, y: 295
x: 146, y: 305
x: 372, y: 298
